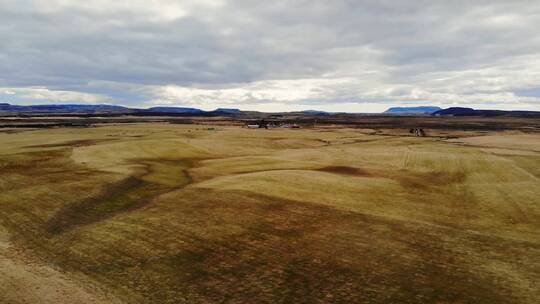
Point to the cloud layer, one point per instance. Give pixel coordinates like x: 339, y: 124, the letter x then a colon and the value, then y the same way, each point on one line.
x: 338, y: 55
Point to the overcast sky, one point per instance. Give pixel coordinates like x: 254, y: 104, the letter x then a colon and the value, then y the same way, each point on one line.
x: 339, y: 55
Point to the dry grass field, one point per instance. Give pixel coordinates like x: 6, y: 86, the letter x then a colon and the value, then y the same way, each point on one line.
x: 165, y: 213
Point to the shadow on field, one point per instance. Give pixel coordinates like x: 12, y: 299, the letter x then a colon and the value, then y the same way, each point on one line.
x: 294, y: 252
x: 72, y: 143
x: 126, y: 195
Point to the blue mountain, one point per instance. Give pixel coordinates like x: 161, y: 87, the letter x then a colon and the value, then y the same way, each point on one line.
x: 425, y: 110
x: 227, y: 110
x: 314, y: 112
x: 65, y: 108
x: 174, y: 110
x: 459, y: 111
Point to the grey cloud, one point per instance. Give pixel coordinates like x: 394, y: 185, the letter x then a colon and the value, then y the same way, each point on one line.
x: 386, y: 49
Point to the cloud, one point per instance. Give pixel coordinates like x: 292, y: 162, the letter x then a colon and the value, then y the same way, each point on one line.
x: 283, y: 91
x: 42, y: 94
x: 286, y: 54
x: 152, y: 10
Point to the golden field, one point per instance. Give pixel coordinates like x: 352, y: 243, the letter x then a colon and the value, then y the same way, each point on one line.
x: 165, y: 213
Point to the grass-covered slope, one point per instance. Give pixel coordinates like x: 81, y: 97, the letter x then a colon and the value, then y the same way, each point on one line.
x: 183, y: 214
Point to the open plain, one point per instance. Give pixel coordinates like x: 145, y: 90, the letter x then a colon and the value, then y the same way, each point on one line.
x: 186, y: 213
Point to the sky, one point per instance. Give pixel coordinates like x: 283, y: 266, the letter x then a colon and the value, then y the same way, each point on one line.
x: 339, y: 55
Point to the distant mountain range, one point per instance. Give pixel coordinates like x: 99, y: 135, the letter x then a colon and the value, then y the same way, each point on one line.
x: 458, y: 111
x: 102, y: 109
x: 423, y: 110
x: 113, y: 109
x: 65, y: 108
x: 313, y: 112
x: 227, y: 110
x: 107, y: 109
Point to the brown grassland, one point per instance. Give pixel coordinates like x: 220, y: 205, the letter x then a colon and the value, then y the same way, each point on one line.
x: 169, y: 213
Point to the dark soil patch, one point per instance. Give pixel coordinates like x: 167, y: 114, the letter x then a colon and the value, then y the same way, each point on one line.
x: 408, y: 179
x: 31, y: 163
x: 345, y: 170
x: 421, y: 180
